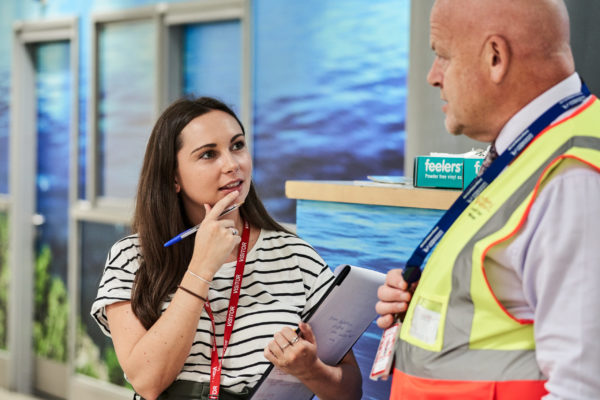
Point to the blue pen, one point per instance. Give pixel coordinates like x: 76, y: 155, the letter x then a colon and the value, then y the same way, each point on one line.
x: 188, y: 232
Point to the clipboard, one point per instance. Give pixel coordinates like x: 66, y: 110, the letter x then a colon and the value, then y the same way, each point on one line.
x: 338, y: 320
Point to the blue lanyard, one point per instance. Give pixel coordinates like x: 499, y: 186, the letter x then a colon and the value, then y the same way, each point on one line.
x: 412, y: 271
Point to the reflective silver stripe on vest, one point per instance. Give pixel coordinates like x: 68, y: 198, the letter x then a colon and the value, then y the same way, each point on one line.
x: 456, y: 361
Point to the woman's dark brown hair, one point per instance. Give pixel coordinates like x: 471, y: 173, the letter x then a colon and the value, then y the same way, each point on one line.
x: 159, y: 213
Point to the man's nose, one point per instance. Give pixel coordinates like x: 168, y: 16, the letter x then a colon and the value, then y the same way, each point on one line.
x: 434, y: 77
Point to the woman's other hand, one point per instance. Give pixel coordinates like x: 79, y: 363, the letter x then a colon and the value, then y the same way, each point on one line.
x: 295, y: 354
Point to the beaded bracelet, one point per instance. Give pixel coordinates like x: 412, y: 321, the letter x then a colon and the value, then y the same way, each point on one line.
x: 199, y: 277
x: 192, y: 293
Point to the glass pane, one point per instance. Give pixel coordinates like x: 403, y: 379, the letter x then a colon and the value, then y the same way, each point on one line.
x: 4, y: 127
x: 7, y: 17
x: 95, y: 355
x: 53, y: 88
x: 329, y: 92
x: 126, y: 54
x: 4, y: 279
x: 212, y: 61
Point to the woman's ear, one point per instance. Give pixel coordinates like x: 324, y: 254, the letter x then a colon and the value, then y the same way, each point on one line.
x: 177, y: 187
x: 496, y: 53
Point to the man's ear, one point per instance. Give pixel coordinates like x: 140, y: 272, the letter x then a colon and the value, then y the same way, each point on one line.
x: 497, y: 57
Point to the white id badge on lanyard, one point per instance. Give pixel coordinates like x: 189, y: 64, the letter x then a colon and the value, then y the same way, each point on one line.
x: 382, y: 366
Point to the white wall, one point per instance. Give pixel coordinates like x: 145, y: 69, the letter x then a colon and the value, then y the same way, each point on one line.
x: 425, y: 131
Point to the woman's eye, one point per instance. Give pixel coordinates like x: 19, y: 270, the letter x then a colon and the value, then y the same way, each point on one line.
x: 207, y: 154
x: 238, y: 145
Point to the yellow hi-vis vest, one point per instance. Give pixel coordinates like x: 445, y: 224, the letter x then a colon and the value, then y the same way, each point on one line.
x: 457, y: 340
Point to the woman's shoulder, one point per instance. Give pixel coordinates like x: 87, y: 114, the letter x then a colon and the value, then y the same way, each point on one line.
x: 125, y: 252
x: 288, y: 243
x: 133, y: 238
x: 130, y: 242
x: 271, y: 238
x: 276, y: 236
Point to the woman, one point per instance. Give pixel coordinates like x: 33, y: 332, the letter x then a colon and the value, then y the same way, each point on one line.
x: 172, y: 310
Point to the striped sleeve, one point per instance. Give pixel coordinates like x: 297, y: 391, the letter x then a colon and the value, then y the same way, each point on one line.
x: 316, y: 274
x: 122, y: 263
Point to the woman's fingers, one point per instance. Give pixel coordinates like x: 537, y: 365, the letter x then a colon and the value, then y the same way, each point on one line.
x: 307, y: 332
x: 281, y: 349
x: 215, y: 211
x: 285, y: 338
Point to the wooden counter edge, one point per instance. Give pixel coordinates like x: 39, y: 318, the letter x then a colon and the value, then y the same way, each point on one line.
x: 385, y: 195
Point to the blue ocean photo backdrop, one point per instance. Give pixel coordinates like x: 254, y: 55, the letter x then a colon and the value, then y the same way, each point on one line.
x: 329, y: 92
x: 367, y: 236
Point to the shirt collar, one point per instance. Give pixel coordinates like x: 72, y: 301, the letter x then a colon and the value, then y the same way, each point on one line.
x: 525, y: 117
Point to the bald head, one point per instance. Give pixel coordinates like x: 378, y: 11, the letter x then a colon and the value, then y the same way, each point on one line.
x: 495, y: 56
x: 537, y: 31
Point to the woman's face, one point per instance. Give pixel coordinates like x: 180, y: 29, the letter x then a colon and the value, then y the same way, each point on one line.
x: 212, y: 162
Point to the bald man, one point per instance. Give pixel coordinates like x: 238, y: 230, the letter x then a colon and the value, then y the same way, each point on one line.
x: 507, y: 306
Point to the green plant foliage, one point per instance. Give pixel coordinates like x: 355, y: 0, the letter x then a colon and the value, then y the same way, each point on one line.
x: 51, y: 308
x: 89, y: 362
x: 115, y: 373
x: 4, y: 278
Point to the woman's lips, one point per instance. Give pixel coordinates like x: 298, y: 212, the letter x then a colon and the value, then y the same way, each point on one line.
x: 230, y: 187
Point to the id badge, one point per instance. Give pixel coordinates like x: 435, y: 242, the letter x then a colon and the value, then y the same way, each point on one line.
x: 382, y: 366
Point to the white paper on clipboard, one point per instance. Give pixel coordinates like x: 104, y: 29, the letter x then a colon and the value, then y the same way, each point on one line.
x: 343, y: 314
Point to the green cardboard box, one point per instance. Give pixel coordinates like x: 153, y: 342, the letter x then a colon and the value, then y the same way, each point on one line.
x: 445, y: 171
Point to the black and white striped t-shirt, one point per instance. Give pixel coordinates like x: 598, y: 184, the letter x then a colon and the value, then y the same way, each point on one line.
x: 283, y: 279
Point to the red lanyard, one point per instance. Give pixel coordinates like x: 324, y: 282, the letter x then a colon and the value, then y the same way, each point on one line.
x: 215, y: 363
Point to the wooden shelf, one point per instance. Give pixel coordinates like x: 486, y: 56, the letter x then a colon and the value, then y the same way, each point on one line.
x: 367, y: 192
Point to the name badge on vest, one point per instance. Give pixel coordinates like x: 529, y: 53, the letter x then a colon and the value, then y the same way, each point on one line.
x: 426, y: 320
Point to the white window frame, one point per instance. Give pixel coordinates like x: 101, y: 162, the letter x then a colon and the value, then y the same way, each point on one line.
x: 20, y: 362
x: 99, y: 209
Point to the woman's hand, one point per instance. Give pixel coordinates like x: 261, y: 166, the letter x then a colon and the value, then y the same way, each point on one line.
x: 295, y: 354
x: 215, y: 239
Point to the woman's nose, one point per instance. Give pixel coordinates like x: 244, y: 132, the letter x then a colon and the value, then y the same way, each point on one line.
x: 230, y: 163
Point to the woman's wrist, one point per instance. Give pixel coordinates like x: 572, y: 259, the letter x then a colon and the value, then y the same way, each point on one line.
x: 199, y: 286
x: 200, y: 277
x: 316, y: 372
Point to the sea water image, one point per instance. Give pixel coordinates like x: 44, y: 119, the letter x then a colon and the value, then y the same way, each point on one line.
x: 328, y: 95
x: 368, y: 236
x: 329, y: 92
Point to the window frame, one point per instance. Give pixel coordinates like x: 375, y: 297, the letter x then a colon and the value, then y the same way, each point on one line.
x: 168, y: 18
x: 20, y: 361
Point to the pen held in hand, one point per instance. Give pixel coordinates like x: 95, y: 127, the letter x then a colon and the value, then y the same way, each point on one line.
x: 193, y: 229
